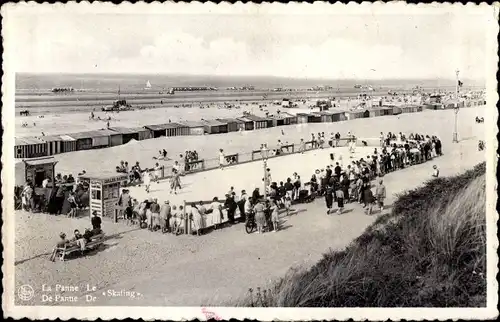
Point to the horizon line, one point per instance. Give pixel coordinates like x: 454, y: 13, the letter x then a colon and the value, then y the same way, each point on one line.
x: 218, y: 75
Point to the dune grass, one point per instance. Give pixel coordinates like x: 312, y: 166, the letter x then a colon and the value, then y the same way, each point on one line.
x: 430, y: 251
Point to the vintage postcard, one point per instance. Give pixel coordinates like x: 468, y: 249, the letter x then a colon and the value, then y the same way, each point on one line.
x: 264, y: 161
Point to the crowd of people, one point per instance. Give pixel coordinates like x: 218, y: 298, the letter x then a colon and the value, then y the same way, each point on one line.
x: 338, y: 183
x: 63, y: 196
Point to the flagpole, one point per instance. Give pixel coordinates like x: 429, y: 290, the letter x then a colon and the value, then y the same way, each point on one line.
x: 455, y: 133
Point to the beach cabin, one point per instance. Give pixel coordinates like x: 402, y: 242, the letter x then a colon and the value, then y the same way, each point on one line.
x: 396, y: 110
x: 366, y: 114
x: 338, y: 116
x: 290, y: 118
x: 246, y: 123
x: 123, y: 135
x: 29, y: 147
x: 376, y: 112
x: 409, y: 109
x: 144, y: 134
x: 302, y: 117
x: 68, y: 143
x: 35, y: 170
x: 283, y: 119
x: 156, y: 131
x: 92, y: 139
x: 314, y: 117
x: 83, y: 140
x: 214, y: 126
x: 233, y: 125
x: 258, y: 122
x: 54, y: 144
x: 387, y: 110
x: 269, y: 121
x: 355, y: 115
x: 326, y: 117
x: 195, y: 128
x: 176, y: 129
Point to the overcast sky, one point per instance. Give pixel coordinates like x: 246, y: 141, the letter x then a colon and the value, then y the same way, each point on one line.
x: 314, y: 46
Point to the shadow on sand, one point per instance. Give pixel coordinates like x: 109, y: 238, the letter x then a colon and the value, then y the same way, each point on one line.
x: 100, y: 248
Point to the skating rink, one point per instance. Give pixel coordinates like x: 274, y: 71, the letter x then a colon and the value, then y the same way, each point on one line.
x: 216, y: 183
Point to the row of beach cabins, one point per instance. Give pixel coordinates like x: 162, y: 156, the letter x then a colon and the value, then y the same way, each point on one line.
x: 31, y: 147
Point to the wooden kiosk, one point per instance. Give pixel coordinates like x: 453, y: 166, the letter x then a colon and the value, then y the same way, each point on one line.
x: 104, y: 193
x: 35, y: 170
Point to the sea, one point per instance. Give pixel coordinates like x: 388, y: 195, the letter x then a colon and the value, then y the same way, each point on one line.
x: 26, y: 82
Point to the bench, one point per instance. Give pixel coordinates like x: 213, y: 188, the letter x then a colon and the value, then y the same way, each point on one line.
x: 61, y: 252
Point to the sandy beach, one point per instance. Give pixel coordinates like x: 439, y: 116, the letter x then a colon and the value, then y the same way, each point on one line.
x: 165, y: 270
x: 438, y: 123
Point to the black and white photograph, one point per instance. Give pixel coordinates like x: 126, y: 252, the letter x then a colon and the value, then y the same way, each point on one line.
x: 262, y: 161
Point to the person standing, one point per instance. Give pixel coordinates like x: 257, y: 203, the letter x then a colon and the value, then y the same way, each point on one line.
x: 155, y: 215
x: 241, y: 205
x: 72, y: 203
x: 146, y: 179
x: 340, y: 200
x: 175, y: 181
x: 203, y: 213
x: 380, y: 194
x: 338, y: 170
x: 165, y: 213
x: 248, y: 208
x: 328, y: 198
x: 157, y: 172
x: 222, y: 159
x: 289, y: 188
x: 302, y: 146
x: 260, y: 217
x: 196, y: 218
x: 230, y: 206
x: 275, y: 215
x: 368, y: 198
x: 95, y: 221
x: 216, y: 212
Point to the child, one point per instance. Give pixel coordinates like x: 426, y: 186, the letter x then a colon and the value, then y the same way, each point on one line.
x: 72, y: 203
x: 157, y: 173
x: 435, y: 173
x: 340, y: 200
x: 275, y: 215
x: 173, y: 219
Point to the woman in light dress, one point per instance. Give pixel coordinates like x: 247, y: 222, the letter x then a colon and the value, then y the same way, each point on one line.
x: 222, y: 159
x: 216, y: 212
x: 433, y: 149
x: 197, y: 219
x: 146, y: 179
x: 260, y: 217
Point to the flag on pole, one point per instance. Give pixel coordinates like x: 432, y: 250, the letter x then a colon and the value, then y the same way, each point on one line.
x: 460, y: 84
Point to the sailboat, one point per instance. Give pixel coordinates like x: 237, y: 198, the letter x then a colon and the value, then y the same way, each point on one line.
x: 148, y: 85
